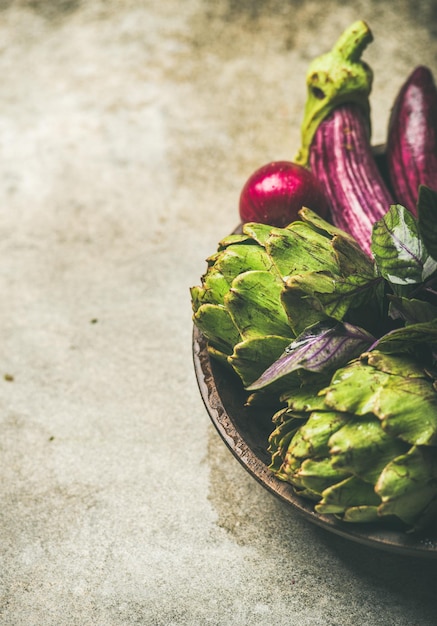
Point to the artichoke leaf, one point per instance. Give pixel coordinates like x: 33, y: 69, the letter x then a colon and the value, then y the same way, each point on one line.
x: 251, y: 356
x: 216, y: 324
x: 258, y: 232
x: 306, y: 398
x: 213, y: 290
x: 254, y: 303
x: 362, y: 448
x: 408, y: 485
x: 355, y: 388
x: 406, y: 405
x: 397, y: 364
x: 361, y: 514
x: 298, y: 249
x: 237, y: 259
x: 233, y: 238
x: 351, y: 258
x: 316, y: 475
x: 265, y: 400
x: 350, y: 492
x: 255, y: 306
x: 287, y: 469
x: 284, y: 414
x: 302, y: 310
x: 407, y: 409
x: 280, y: 438
x: 279, y: 441
x: 218, y: 355
x: 311, y: 439
x: 329, y: 230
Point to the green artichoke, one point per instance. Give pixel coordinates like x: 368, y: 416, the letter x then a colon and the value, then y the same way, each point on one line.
x: 264, y: 287
x: 364, y: 447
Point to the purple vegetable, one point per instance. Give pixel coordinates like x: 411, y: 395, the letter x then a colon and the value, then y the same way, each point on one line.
x: 275, y: 193
x: 412, y: 138
x: 341, y: 158
x: 323, y: 347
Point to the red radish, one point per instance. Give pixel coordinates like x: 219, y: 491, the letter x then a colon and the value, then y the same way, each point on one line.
x: 275, y: 193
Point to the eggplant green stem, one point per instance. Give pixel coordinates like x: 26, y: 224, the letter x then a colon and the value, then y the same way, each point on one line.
x: 334, y: 78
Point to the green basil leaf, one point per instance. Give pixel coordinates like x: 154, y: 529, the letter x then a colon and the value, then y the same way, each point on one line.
x: 399, y: 251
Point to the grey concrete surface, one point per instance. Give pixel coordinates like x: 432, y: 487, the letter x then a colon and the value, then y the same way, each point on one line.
x: 127, y: 129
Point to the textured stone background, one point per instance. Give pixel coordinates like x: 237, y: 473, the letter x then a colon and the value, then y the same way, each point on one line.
x: 127, y: 130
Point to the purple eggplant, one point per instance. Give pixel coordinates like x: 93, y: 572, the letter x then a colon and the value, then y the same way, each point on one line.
x: 412, y: 138
x: 341, y: 157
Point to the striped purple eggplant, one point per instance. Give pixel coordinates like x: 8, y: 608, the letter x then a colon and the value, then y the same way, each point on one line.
x: 341, y: 157
x: 412, y: 138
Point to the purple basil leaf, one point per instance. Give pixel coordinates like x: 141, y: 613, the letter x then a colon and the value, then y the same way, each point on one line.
x: 322, y: 347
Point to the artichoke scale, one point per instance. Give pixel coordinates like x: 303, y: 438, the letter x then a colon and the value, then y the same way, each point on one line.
x: 362, y: 448
x: 251, y: 356
x: 355, y: 388
x: 407, y: 409
x: 408, y: 485
x: 254, y: 304
x: 351, y: 259
x: 216, y: 324
x: 312, y: 438
x: 396, y: 364
x: 349, y: 493
x: 233, y: 238
x: 307, y: 397
x: 361, y: 514
x: 299, y: 248
x: 316, y: 475
x: 239, y: 258
x: 258, y: 232
x: 214, y: 288
x: 279, y: 442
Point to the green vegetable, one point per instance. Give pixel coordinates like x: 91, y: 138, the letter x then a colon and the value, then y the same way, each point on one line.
x: 265, y: 286
x: 367, y: 452
x: 336, y: 136
x: 336, y: 77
